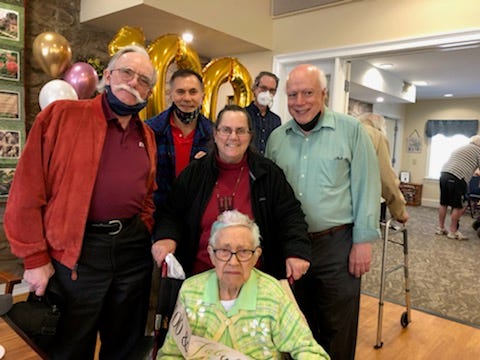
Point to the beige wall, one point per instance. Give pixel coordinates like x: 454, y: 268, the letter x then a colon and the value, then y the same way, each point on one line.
x: 371, y: 21
x: 415, y: 118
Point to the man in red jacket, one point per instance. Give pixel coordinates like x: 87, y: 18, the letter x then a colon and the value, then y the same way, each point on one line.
x: 80, y: 210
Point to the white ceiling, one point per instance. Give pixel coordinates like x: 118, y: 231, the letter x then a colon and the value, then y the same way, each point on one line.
x: 454, y: 70
x: 208, y: 42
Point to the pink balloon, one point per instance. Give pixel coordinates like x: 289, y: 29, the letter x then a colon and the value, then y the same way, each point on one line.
x: 83, y: 78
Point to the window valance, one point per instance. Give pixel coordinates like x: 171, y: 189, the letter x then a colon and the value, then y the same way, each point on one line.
x: 451, y: 127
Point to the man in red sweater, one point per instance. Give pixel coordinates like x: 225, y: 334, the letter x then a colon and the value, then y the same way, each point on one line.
x: 80, y: 210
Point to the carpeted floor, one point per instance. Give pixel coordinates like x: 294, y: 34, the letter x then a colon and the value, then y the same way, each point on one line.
x: 443, y: 273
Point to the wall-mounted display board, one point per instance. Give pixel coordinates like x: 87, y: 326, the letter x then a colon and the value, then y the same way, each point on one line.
x: 12, y: 95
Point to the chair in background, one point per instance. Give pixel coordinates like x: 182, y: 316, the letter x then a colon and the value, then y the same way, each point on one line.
x: 473, y: 195
x: 9, y: 280
x: 6, y: 299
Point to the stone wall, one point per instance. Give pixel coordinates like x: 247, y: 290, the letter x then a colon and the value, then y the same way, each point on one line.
x: 62, y: 17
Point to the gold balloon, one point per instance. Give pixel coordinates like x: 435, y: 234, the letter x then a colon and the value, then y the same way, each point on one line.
x: 52, y: 52
x: 163, y: 51
x: 127, y: 35
x: 219, y: 71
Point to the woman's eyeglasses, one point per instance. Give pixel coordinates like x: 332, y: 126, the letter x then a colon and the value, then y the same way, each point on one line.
x: 226, y: 255
x: 226, y: 131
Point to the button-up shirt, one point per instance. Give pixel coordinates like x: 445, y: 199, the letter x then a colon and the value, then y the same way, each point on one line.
x: 262, y: 126
x: 334, y: 172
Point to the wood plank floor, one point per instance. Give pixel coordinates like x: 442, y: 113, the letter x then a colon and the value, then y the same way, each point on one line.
x: 426, y: 337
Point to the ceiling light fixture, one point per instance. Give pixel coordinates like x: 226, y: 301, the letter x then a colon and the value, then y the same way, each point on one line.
x: 385, y: 66
x: 380, y: 99
x: 187, y: 37
x: 420, y: 83
x: 448, y: 95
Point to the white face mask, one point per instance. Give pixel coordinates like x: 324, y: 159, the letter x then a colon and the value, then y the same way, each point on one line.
x: 265, y: 98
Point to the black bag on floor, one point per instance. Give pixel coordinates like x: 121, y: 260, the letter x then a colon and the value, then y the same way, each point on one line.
x: 37, y: 317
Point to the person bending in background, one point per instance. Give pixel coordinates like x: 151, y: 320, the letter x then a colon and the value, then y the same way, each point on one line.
x: 263, y: 119
x: 456, y: 174
x: 394, y: 200
x: 80, y: 210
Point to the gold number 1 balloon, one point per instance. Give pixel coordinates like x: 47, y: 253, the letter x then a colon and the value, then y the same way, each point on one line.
x: 52, y: 52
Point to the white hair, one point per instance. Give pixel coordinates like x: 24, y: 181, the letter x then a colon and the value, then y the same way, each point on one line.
x: 234, y: 218
x: 375, y: 120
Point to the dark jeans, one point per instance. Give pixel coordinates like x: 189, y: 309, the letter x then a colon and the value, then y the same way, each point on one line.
x: 330, y: 297
x: 110, y: 295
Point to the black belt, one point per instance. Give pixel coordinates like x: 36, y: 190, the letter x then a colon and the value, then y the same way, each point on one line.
x: 110, y: 227
x: 332, y: 230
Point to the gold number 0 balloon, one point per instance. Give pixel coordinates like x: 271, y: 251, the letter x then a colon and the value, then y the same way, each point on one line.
x: 171, y: 48
x: 126, y: 36
x: 163, y: 51
x: 219, y: 71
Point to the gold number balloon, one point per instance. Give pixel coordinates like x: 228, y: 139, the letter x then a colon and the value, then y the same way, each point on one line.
x: 163, y: 51
x: 219, y: 71
x: 52, y: 52
x: 127, y: 35
x: 171, y: 48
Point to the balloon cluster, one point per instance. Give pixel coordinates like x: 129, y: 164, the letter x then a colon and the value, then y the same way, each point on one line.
x: 171, y: 48
x: 54, y: 55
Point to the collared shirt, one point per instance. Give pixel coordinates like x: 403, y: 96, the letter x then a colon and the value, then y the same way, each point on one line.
x: 262, y: 322
x: 183, y: 146
x: 119, y: 190
x: 262, y: 126
x: 166, y: 157
x: 333, y: 171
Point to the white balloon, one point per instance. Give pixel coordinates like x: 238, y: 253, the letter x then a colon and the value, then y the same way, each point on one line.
x: 56, y: 90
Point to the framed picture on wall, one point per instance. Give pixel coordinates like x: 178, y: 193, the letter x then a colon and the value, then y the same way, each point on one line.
x: 9, y: 64
x: 11, y: 23
x: 6, y: 177
x: 9, y: 144
x: 9, y: 104
x: 414, y: 142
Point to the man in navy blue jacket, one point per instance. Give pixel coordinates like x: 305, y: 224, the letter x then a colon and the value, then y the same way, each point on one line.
x: 181, y: 132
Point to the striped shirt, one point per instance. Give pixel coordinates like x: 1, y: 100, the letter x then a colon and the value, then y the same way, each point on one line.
x: 463, y: 162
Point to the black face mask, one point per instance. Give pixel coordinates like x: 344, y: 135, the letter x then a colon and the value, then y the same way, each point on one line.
x: 311, y: 124
x: 185, y: 117
x: 120, y: 108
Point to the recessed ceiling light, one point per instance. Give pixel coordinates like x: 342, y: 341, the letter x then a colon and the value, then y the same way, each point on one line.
x: 187, y: 37
x: 419, y: 83
x: 380, y: 99
x: 385, y: 66
x: 447, y: 95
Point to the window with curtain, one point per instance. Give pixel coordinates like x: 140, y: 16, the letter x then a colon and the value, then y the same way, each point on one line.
x: 445, y: 137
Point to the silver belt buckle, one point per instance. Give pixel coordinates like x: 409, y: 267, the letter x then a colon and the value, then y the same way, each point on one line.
x: 120, y: 227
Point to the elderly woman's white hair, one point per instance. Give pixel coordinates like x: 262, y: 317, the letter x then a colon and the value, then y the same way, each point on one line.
x: 234, y: 218
x: 475, y: 139
x: 375, y: 120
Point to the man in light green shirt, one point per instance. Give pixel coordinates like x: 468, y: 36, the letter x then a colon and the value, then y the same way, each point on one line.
x: 331, y: 164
